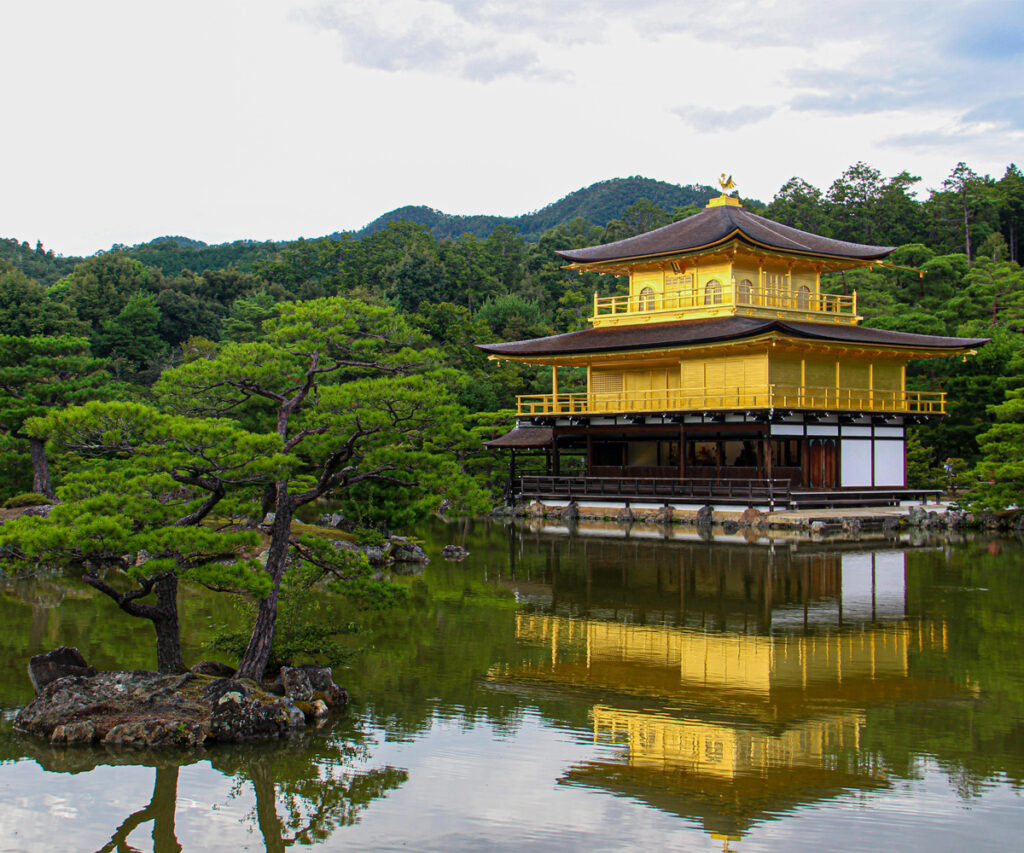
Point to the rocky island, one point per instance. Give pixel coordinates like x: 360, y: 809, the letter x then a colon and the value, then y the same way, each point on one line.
x: 76, y: 704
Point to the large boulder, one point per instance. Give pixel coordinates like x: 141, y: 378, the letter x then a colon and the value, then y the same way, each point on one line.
x: 80, y: 709
x: 665, y: 514
x: 705, y: 515
x: 322, y: 680
x: 296, y: 684
x: 454, y: 552
x: 237, y: 717
x: 213, y: 668
x: 58, y: 663
x: 41, y: 510
x: 406, y: 551
x: 917, y: 516
x: 751, y: 517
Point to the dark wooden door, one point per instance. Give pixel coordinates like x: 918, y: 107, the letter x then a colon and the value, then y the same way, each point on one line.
x: 830, y: 479
x: 823, y: 464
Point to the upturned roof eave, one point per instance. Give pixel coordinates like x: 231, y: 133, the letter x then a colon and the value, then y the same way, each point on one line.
x: 778, y: 329
x: 737, y: 235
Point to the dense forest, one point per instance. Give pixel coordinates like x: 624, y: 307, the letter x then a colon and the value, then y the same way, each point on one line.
x: 599, y: 203
x: 142, y: 310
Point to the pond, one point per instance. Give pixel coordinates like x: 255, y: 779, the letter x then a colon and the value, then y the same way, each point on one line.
x: 593, y: 690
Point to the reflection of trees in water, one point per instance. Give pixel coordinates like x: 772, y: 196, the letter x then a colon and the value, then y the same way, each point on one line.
x: 305, y: 788
x: 160, y: 810
x: 317, y: 795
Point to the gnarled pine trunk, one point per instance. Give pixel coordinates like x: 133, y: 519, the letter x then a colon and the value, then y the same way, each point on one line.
x: 168, y: 632
x: 163, y: 615
x: 41, y: 481
x: 257, y: 653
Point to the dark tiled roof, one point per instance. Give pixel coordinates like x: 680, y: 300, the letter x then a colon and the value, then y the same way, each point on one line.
x: 694, y: 332
x: 523, y: 437
x: 718, y: 224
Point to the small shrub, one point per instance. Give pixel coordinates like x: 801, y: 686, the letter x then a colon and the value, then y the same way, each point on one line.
x: 369, y: 536
x: 26, y: 499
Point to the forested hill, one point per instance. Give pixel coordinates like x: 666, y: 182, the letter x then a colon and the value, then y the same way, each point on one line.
x: 145, y: 308
x: 598, y: 204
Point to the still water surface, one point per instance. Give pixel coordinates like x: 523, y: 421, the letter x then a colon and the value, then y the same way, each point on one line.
x: 557, y: 692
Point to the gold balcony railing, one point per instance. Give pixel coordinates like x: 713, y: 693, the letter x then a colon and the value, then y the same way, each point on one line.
x: 739, y: 295
x: 762, y: 397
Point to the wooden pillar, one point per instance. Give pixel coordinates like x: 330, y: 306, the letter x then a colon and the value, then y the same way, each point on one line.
x: 554, y: 386
x: 554, y: 453
x: 590, y: 451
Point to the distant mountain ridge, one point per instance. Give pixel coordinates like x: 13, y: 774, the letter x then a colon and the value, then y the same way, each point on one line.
x: 598, y: 204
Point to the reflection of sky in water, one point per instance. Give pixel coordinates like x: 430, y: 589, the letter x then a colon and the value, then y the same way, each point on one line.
x: 873, y: 590
x: 643, y: 726
x: 472, y: 788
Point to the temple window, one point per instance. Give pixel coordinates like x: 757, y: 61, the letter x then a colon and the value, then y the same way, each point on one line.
x: 713, y: 292
x: 647, y: 299
x: 803, y: 298
x: 745, y: 292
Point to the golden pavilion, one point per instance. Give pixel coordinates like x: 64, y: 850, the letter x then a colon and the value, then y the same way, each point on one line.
x: 726, y: 375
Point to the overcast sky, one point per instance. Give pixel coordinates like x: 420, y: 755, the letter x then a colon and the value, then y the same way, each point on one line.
x: 124, y: 120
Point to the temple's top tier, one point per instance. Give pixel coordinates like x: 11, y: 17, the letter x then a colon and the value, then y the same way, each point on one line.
x: 725, y: 261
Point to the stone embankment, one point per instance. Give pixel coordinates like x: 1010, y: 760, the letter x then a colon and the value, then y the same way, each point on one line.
x: 850, y: 521
x: 76, y: 704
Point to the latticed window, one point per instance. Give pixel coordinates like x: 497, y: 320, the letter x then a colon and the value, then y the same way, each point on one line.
x: 606, y: 383
x: 713, y: 292
x: 745, y: 292
x: 647, y: 299
x: 803, y: 298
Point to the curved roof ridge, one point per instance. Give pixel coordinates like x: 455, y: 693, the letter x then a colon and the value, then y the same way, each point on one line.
x: 715, y: 225
x: 695, y: 332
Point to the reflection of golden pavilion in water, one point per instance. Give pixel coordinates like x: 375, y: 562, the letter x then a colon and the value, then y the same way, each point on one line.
x: 732, y: 727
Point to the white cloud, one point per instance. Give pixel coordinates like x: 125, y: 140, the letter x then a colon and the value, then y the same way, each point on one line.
x: 734, y: 119
x: 278, y: 118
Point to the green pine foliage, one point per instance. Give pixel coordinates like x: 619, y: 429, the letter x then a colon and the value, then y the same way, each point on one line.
x: 466, y: 280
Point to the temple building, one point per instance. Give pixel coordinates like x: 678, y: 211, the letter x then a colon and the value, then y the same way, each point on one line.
x: 725, y: 375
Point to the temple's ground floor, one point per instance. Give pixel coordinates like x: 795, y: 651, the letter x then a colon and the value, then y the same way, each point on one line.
x: 770, y: 459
